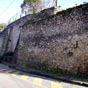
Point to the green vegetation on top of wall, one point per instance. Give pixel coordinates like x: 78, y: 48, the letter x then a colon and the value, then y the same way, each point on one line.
x: 43, y: 17
x: 2, y: 26
x: 63, y: 13
x: 31, y: 0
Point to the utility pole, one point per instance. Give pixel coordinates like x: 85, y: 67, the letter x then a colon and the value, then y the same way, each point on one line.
x: 56, y: 3
x: 55, y: 7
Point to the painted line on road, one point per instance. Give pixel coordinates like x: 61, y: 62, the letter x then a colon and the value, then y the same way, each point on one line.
x: 24, y: 77
x: 38, y: 81
x: 56, y: 85
x: 13, y: 75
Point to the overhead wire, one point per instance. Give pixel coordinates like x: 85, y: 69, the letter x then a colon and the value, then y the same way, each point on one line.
x: 47, y: 5
x: 6, y: 9
x: 53, y: 3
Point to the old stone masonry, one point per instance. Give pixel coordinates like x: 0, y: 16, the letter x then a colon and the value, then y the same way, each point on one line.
x: 47, y: 41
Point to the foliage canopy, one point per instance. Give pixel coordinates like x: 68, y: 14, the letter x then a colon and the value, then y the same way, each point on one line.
x: 35, y: 5
x: 31, y: 1
x: 2, y: 26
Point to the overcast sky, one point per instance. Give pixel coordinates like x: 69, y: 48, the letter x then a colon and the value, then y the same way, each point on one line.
x: 9, y: 8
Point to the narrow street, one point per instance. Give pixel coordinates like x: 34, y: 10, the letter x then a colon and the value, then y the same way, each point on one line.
x: 10, y: 78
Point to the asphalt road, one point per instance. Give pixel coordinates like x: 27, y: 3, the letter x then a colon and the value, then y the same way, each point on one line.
x: 10, y: 78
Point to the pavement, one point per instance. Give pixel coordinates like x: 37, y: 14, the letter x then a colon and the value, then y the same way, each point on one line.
x: 11, y: 78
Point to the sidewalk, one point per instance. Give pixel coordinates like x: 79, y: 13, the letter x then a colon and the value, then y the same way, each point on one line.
x: 68, y: 79
x: 12, y: 78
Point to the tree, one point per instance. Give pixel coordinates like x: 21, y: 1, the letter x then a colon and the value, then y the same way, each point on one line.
x: 2, y: 26
x: 35, y: 5
x: 31, y: 1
